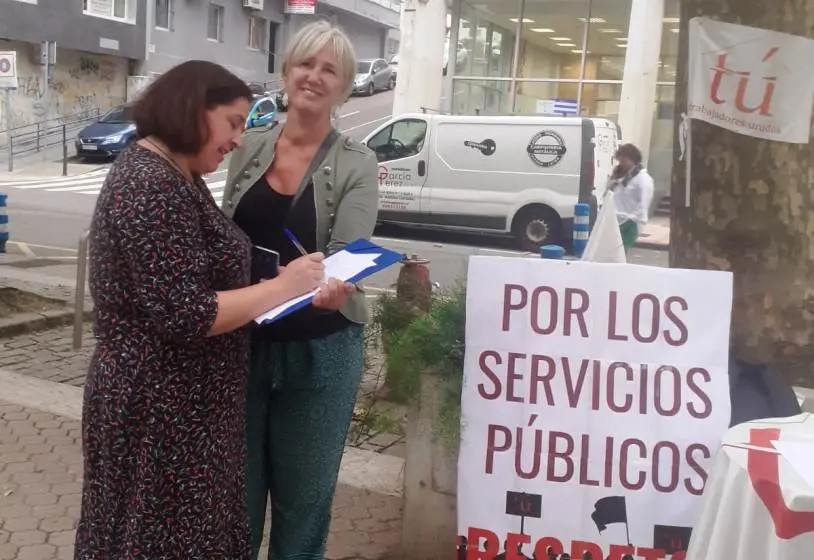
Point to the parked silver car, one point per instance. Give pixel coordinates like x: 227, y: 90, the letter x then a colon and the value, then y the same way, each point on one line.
x: 373, y: 75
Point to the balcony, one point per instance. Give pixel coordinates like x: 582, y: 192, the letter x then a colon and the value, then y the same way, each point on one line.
x: 385, y: 12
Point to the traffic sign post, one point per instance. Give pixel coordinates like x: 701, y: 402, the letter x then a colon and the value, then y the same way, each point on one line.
x: 8, y: 82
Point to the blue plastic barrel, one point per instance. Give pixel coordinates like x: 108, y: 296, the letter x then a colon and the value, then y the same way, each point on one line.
x: 3, y: 223
x: 582, y: 227
x: 552, y: 252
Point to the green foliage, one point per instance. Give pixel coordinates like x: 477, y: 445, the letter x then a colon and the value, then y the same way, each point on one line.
x: 390, y: 316
x: 433, y: 343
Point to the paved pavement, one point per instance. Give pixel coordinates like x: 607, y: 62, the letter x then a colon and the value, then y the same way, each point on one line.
x: 41, y: 481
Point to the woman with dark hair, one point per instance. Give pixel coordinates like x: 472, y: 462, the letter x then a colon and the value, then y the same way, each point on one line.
x: 632, y: 188
x: 163, y: 417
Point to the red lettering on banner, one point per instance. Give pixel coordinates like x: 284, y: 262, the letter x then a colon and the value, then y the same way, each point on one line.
x: 672, y: 460
x: 483, y: 544
x: 556, y: 455
x: 624, y: 462
x: 692, y: 462
x: 505, y: 375
x: 744, y: 77
x: 566, y: 461
x: 547, y: 546
x: 473, y: 546
x: 617, y: 552
x: 513, y: 543
x: 544, y: 314
x: 578, y: 548
x: 648, y: 309
x: 490, y: 374
x: 696, y: 390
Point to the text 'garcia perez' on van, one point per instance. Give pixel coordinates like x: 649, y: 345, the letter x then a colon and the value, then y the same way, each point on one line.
x: 518, y: 175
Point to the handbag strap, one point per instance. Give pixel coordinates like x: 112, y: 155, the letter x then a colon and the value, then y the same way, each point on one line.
x: 319, y: 157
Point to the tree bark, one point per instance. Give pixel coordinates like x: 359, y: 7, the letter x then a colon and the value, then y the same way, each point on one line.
x: 751, y: 209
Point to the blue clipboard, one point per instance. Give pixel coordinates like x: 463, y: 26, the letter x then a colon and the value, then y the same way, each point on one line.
x: 385, y: 259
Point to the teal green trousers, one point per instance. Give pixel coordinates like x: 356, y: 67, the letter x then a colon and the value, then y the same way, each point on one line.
x: 630, y: 233
x: 299, y: 406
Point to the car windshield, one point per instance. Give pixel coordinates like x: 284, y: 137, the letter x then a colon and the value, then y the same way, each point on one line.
x: 119, y: 115
x: 363, y: 67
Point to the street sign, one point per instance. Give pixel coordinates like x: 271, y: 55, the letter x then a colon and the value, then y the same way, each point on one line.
x: 8, y: 69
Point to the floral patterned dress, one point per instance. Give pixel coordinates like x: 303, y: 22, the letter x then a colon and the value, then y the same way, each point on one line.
x: 163, y: 420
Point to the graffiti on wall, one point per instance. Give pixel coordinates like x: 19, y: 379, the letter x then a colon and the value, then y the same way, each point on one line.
x: 79, y: 82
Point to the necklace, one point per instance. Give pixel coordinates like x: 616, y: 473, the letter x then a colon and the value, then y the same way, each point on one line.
x: 171, y: 160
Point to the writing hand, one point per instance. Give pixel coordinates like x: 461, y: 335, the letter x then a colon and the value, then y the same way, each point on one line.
x: 333, y: 294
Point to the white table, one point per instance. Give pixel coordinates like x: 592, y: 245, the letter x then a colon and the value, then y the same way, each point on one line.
x: 749, y: 480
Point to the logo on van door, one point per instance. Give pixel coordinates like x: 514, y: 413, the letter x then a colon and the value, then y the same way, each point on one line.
x: 546, y: 148
x: 487, y: 147
x: 394, y: 177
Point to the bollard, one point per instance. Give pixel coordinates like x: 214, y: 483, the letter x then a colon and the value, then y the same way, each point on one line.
x: 3, y: 223
x: 64, y: 152
x: 38, y: 137
x: 582, y: 228
x: 10, y: 152
x: 413, y: 287
x: 553, y: 252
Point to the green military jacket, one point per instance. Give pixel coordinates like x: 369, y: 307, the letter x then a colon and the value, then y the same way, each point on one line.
x: 346, y: 193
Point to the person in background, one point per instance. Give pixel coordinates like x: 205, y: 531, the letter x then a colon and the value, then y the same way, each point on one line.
x: 632, y: 188
x: 303, y: 183
x: 162, y: 422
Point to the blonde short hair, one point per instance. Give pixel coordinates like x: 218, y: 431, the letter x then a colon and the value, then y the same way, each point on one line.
x: 314, y: 37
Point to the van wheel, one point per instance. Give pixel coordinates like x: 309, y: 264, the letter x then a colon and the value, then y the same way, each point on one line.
x: 535, y: 226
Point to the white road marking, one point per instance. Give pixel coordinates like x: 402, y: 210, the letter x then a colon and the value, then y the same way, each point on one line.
x: 26, y: 250
x: 91, y: 184
x: 366, y: 124
x: 49, y: 247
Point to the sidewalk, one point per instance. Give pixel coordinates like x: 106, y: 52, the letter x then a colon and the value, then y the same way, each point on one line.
x: 656, y: 234
x: 41, y: 481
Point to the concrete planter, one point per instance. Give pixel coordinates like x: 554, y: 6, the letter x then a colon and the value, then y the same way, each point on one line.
x: 430, y: 481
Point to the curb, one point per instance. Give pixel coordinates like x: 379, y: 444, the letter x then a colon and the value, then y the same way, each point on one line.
x: 363, y: 469
x: 651, y: 245
x: 21, y: 323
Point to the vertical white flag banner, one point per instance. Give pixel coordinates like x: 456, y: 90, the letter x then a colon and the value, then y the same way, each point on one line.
x: 605, y: 243
x: 751, y: 81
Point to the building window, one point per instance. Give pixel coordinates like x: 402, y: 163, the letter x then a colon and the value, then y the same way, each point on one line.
x: 272, y: 65
x: 257, y: 33
x: 114, y: 9
x: 163, y: 14
x: 214, y: 30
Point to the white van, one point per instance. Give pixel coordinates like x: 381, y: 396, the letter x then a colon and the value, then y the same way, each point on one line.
x: 518, y: 175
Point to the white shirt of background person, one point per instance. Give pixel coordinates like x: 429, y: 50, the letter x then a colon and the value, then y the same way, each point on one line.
x: 633, y: 200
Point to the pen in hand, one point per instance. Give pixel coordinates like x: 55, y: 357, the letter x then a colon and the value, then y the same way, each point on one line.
x: 295, y: 241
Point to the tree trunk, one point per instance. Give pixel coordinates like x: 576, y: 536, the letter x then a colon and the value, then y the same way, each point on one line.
x: 752, y: 209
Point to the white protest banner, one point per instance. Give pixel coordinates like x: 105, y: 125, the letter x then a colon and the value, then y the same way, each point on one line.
x: 751, y: 81
x: 594, y: 399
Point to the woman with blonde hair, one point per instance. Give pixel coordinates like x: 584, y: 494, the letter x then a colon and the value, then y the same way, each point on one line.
x: 303, y: 186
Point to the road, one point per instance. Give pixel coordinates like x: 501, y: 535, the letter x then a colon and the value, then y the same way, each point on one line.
x: 48, y: 214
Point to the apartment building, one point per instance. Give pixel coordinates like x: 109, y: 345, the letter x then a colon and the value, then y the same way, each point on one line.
x: 72, y: 55
x: 76, y: 55
x: 249, y: 36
